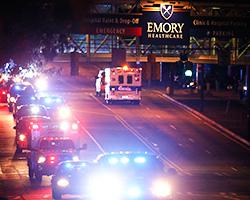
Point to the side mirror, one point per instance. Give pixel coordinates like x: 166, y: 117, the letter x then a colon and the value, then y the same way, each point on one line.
x: 14, y: 127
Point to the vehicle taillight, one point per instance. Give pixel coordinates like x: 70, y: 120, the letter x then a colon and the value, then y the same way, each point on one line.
x: 22, y: 137
x: 3, y: 92
x: 52, y: 159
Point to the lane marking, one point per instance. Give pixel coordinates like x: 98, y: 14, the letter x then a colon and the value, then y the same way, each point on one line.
x: 94, y: 140
x: 143, y: 139
x: 208, y: 152
x: 158, y: 116
x: 234, y: 169
x: 173, y: 127
x: 191, y: 140
x: 230, y: 135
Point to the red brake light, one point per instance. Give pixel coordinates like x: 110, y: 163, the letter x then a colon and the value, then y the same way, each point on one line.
x: 52, y: 159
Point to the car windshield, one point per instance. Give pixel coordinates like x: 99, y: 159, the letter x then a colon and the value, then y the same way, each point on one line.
x: 64, y: 144
x: 17, y: 89
x: 31, y: 111
x: 24, y: 100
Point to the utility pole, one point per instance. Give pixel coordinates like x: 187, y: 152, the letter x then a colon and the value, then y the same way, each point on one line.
x: 201, y: 86
x: 248, y: 101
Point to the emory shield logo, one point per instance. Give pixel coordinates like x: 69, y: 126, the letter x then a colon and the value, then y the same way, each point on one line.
x: 166, y: 11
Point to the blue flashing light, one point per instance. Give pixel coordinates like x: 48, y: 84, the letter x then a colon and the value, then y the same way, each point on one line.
x: 17, y: 87
x: 48, y: 100
x: 124, y: 160
x: 113, y: 160
x: 140, y: 160
x: 83, y: 165
x: 68, y: 165
x: 58, y: 100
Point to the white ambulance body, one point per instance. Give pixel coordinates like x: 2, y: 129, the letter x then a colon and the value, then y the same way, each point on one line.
x: 123, y: 84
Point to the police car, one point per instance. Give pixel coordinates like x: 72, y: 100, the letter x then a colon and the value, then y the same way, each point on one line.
x: 122, y: 175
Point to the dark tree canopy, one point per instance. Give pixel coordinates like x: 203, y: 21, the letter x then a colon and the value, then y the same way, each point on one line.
x: 28, y: 24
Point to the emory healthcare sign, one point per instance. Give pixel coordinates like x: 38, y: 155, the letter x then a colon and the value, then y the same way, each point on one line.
x: 165, y: 25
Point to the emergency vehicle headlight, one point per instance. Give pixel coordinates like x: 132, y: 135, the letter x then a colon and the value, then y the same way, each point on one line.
x: 41, y: 159
x: 74, y: 126
x: 105, y: 186
x: 75, y: 158
x: 64, y: 126
x: 62, y: 182
x: 64, y: 112
x: 41, y: 83
x: 161, y: 188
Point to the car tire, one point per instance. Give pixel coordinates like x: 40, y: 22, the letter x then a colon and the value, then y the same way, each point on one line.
x: 56, y: 195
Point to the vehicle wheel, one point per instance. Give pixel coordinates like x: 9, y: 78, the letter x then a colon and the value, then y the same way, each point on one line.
x: 38, y: 177
x: 56, y: 195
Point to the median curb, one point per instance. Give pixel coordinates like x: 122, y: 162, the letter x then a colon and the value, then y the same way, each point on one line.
x: 206, y: 119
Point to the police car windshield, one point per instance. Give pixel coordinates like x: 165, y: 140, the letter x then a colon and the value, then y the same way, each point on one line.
x: 31, y: 111
x: 57, y: 144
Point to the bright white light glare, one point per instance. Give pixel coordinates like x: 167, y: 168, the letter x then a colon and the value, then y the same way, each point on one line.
x: 35, y: 110
x: 191, y: 83
x: 161, y: 188
x: 74, y: 126
x: 134, y: 192
x: 64, y: 126
x: 48, y: 100
x: 22, y: 137
x: 105, y: 187
x: 64, y: 112
x: 124, y: 160
x: 41, y: 84
x: 75, y: 158
x: 58, y: 100
x: 63, y: 182
x: 245, y: 88
x: 68, y: 165
x: 113, y: 160
x: 41, y: 159
x: 139, y: 160
x: 188, y: 73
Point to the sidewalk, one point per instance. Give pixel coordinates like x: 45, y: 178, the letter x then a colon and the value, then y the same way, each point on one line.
x: 222, y: 107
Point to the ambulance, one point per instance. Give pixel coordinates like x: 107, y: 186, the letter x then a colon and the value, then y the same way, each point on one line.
x: 122, y: 83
